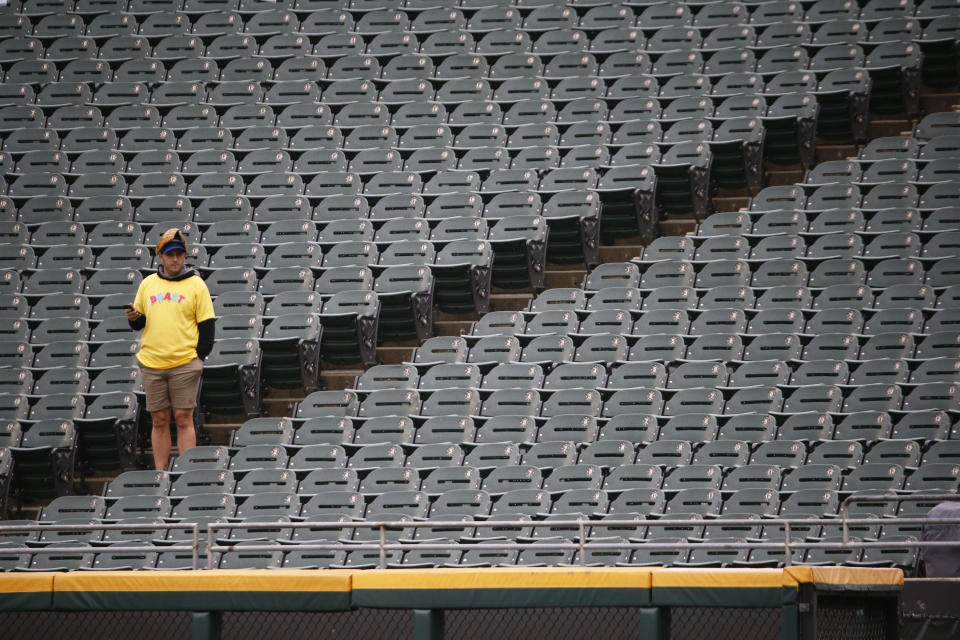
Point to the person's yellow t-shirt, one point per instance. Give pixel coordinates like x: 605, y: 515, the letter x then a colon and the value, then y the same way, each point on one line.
x: 172, y: 309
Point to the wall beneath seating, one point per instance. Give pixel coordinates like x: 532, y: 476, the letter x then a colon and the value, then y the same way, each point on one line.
x: 931, y: 609
x: 793, y: 603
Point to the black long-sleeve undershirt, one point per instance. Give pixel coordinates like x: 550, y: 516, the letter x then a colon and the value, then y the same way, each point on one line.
x: 207, y: 329
x: 205, y: 342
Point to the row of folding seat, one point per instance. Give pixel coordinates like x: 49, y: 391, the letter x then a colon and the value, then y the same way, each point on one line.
x: 314, y: 148
x: 514, y: 104
x: 817, y: 272
x: 456, y: 61
x: 821, y: 11
x: 785, y: 399
x: 86, y: 381
x: 23, y: 226
x: 67, y: 104
x: 889, y: 332
x: 322, y: 185
x: 924, y: 171
x: 717, y: 261
x: 776, y: 300
x: 189, y: 109
x: 663, y: 294
x: 871, y: 247
x: 839, y: 196
x: 116, y: 405
x: 665, y: 312
x: 414, y: 126
x: 576, y: 165
x: 503, y: 54
x: 282, y: 18
x: 279, y: 274
x: 405, y: 505
x: 638, y: 528
x: 403, y: 56
x: 797, y: 430
x: 220, y: 231
x: 757, y: 480
x: 666, y: 554
x: 852, y: 232
x: 609, y: 348
x: 591, y: 373
x: 94, y: 149
x: 578, y: 464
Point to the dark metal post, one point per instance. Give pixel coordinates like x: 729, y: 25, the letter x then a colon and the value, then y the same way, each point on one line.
x: 654, y: 623
x: 807, y: 612
x: 428, y: 624
x: 205, y: 625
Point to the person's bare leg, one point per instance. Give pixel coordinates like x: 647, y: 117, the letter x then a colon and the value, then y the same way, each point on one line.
x: 160, y: 438
x: 186, y: 436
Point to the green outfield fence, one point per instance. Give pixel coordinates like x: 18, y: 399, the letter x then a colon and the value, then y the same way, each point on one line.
x: 556, y: 603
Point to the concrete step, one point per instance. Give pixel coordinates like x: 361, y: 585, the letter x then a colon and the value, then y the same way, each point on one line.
x: 676, y: 226
x: 28, y: 511
x: 94, y: 484
x: 888, y: 126
x: 933, y: 100
x: 340, y: 379
x: 830, y: 151
x: 509, y: 301
x: 451, y: 327
x: 565, y: 278
x: 394, y: 355
x: 733, y: 203
x: 779, y: 177
x: 220, y: 434
x: 620, y: 254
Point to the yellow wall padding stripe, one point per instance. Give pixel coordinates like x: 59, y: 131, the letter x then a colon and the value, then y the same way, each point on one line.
x: 861, y: 576
x: 506, y: 578
x: 721, y: 578
x: 225, y: 580
x: 26, y: 582
x: 454, y: 578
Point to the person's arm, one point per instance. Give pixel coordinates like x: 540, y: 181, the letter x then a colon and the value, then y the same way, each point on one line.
x: 205, y: 341
x: 206, y: 319
x: 135, y: 316
x: 135, y: 319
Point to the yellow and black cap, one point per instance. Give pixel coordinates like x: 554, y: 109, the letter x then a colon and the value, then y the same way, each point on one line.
x: 171, y: 240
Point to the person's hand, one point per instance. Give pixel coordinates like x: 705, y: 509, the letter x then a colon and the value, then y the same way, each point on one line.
x: 132, y: 314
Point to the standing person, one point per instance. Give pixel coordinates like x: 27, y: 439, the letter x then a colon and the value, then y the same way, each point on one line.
x: 942, y: 562
x: 175, y: 312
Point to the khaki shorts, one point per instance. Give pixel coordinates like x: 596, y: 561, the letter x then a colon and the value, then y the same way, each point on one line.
x: 176, y: 387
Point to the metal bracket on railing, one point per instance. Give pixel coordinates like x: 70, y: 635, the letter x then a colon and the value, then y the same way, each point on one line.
x: 787, y: 552
x: 210, y: 541
x: 582, y: 532
x: 196, y: 545
x: 383, y: 542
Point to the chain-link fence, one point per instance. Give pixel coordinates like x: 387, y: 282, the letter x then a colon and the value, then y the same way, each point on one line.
x: 837, y: 618
x: 95, y: 625
x: 368, y: 624
x: 724, y: 623
x: 560, y: 623
x: 851, y: 619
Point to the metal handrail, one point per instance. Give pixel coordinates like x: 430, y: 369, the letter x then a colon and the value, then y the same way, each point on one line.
x: 194, y: 547
x: 886, y: 497
x: 582, y: 544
